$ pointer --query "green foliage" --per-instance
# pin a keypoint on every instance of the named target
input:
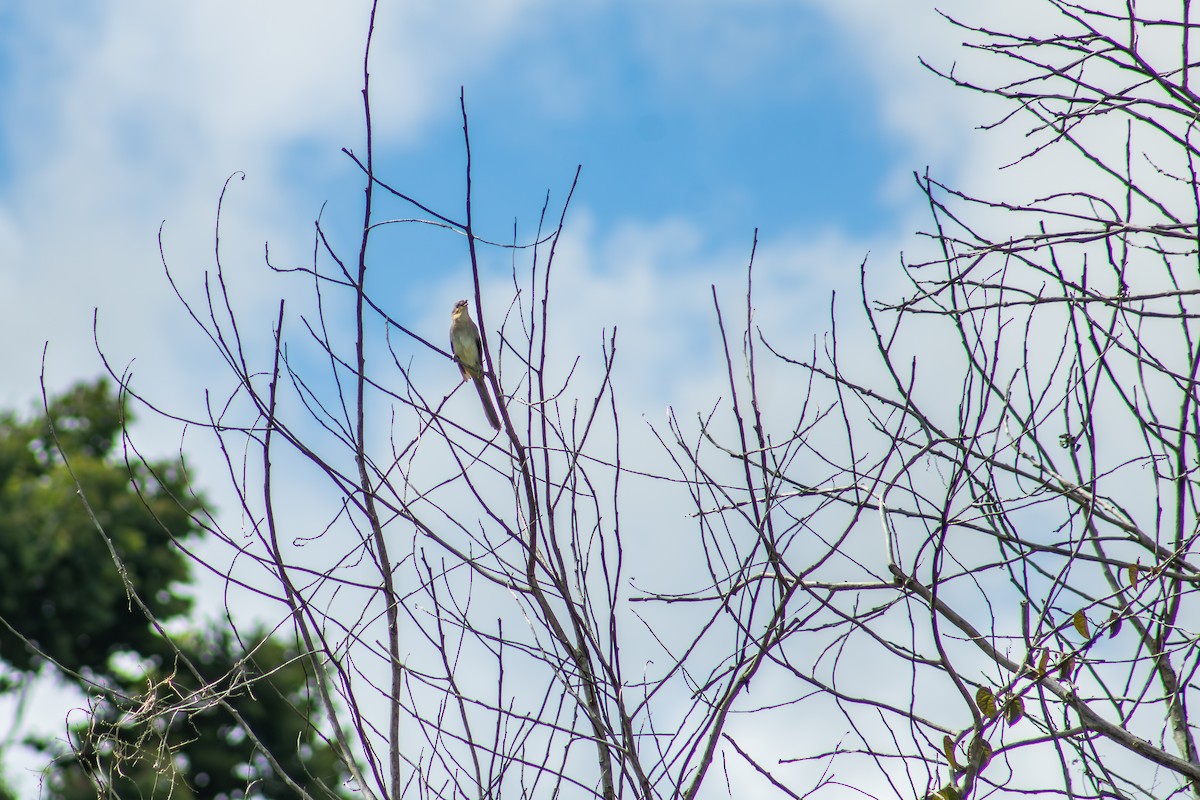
(6, 791)
(158, 732)
(61, 590)
(172, 739)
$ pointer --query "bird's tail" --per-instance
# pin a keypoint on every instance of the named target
(486, 399)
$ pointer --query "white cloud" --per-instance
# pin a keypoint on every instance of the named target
(130, 114)
(123, 115)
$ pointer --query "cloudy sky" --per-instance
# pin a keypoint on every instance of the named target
(695, 123)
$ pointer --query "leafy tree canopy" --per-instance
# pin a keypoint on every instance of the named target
(138, 743)
(159, 729)
(62, 592)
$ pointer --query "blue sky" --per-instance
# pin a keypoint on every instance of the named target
(801, 119)
(694, 123)
(771, 126)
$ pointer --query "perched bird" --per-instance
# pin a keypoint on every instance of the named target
(468, 352)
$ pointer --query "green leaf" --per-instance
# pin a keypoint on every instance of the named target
(986, 701)
(1014, 709)
(979, 752)
(948, 749)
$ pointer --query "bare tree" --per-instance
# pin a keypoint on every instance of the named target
(962, 561)
(999, 512)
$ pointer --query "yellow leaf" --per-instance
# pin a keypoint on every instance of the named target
(947, 792)
(986, 701)
(1081, 624)
(1043, 662)
(948, 749)
(1066, 668)
(1133, 575)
